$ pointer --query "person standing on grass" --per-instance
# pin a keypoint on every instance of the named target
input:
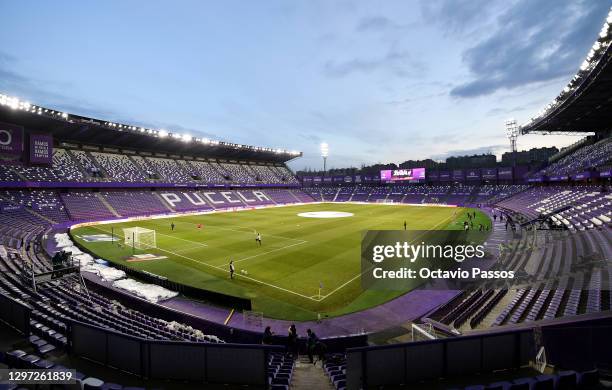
(172, 226)
(258, 239)
(404, 225)
(231, 269)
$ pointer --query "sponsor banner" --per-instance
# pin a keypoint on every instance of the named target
(41, 149)
(582, 176)
(337, 179)
(458, 174)
(472, 174)
(489, 173)
(44, 206)
(395, 175)
(357, 178)
(327, 179)
(10, 207)
(607, 173)
(445, 176)
(317, 179)
(11, 139)
(144, 257)
(505, 173)
(307, 179)
(433, 175)
(558, 178)
(348, 179)
(535, 179)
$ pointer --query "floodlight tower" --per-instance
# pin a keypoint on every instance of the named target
(324, 154)
(512, 132)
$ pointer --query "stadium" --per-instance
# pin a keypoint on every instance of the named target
(136, 257)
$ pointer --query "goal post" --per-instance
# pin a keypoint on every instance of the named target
(139, 238)
(422, 332)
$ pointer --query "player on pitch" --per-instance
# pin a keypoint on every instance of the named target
(231, 269)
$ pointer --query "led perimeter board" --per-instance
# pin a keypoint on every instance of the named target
(395, 175)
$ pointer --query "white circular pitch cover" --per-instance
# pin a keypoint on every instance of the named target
(325, 214)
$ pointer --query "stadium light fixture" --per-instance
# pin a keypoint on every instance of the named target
(324, 154)
(163, 133)
(186, 137)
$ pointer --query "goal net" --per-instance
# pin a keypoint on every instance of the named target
(252, 318)
(140, 238)
(423, 332)
(384, 201)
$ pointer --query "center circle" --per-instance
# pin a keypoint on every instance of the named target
(325, 214)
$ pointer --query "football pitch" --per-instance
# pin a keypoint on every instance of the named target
(305, 266)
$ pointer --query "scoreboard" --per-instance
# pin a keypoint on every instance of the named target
(411, 175)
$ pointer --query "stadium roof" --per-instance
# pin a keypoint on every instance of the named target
(72, 128)
(585, 104)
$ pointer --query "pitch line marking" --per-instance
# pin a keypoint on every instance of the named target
(318, 299)
(239, 260)
(361, 273)
(224, 269)
(183, 239)
(221, 227)
(270, 251)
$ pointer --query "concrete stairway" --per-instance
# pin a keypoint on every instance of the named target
(306, 376)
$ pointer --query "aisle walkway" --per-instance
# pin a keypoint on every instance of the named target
(308, 377)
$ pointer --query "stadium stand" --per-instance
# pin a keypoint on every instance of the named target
(586, 157)
(555, 236)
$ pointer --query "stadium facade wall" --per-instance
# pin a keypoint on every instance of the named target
(108, 184)
(167, 360)
(575, 344)
(16, 314)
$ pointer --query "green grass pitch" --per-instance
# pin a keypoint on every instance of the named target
(298, 254)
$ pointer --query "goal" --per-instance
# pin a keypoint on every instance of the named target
(139, 238)
(422, 332)
(387, 201)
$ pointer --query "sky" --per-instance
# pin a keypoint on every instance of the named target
(379, 81)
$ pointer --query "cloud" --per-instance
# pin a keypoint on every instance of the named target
(399, 63)
(533, 42)
(468, 152)
(510, 110)
(40, 92)
(374, 23)
(457, 16)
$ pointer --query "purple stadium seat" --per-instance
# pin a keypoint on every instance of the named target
(92, 384)
(588, 379)
(499, 386)
(544, 382)
(566, 380)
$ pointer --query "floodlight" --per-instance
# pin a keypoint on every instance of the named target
(163, 133)
(324, 149)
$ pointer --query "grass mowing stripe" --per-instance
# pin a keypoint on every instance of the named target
(224, 269)
(298, 253)
(361, 273)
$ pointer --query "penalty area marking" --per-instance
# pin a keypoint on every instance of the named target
(224, 269)
(316, 298)
(325, 214)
